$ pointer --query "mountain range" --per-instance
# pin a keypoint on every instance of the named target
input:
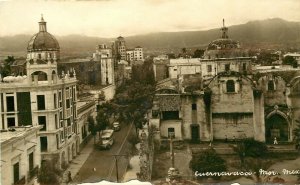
(263, 34)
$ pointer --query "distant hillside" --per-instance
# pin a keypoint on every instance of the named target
(270, 32)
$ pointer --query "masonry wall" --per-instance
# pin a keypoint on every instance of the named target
(232, 112)
(273, 97)
(198, 117)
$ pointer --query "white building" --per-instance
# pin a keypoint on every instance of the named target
(85, 109)
(20, 154)
(43, 98)
(296, 56)
(136, 54)
(103, 55)
(183, 66)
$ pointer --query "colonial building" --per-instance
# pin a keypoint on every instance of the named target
(20, 154)
(226, 100)
(43, 97)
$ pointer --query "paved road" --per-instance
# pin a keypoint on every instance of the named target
(104, 162)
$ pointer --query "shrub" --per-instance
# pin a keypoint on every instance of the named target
(132, 139)
(254, 148)
(208, 161)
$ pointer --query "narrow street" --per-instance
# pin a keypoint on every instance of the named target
(104, 162)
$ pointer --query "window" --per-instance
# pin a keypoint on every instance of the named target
(209, 68)
(194, 106)
(10, 103)
(16, 172)
(171, 132)
(230, 86)
(56, 122)
(271, 86)
(41, 102)
(44, 144)
(244, 67)
(11, 122)
(42, 121)
(69, 121)
(68, 103)
(227, 67)
(55, 102)
(30, 161)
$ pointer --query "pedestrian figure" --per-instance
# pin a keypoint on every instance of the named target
(69, 176)
(275, 141)
(94, 169)
(234, 139)
(210, 144)
(226, 139)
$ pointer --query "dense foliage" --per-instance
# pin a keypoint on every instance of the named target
(49, 173)
(5, 69)
(207, 161)
(289, 60)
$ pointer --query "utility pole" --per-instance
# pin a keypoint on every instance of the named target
(172, 150)
(116, 163)
(116, 159)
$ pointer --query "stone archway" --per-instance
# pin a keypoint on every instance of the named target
(277, 126)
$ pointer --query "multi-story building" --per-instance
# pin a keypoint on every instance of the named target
(103, 56)
(20, 154)
(85, 109)
(119, 49)
(135, 55)
(43, 97)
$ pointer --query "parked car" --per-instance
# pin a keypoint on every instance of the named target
(106, 139)
(116, 126)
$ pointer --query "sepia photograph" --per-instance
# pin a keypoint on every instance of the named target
(149, 92)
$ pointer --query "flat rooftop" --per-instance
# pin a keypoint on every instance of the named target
(16, 132)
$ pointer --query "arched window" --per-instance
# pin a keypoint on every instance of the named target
(271, 86)
(230, 86)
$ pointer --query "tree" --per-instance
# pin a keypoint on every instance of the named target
(49, 173)
(102, 121)
(250, 148)
(255, 165)
(92, 127)
(208, 161)
(198, 53)
(5, 69)
(289, 60)
(254, 148)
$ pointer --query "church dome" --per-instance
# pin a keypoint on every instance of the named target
(223, 44)
(43, 41)
(224, 47)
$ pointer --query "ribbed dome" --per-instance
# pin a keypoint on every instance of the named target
(43, 41)
(223, 44)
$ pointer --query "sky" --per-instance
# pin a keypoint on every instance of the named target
(112, 18)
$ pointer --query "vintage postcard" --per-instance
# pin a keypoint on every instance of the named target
(162, 92)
